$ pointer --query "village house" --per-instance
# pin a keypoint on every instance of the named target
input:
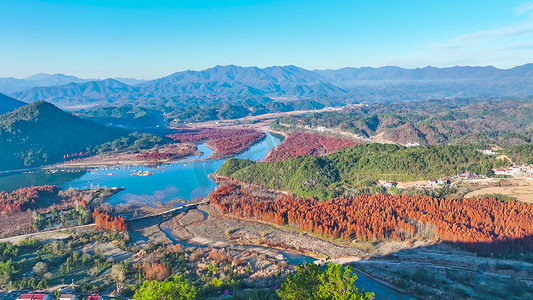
(488, 152)
(94, 297)
(513, 169)
(411, 144)
(389, 184)
(527, 168)
(35, 296)
(68, 297)
(500, 171)
(443, 181)
(432, 182)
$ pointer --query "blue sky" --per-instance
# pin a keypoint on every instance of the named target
(153, 38)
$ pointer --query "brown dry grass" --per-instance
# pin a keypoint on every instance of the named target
(521, 189)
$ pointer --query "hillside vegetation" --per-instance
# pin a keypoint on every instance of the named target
(350, 168)
(300, 144)
(522, 154)
(126, 116)
(433, 122)
(251, 107)
(40, 133)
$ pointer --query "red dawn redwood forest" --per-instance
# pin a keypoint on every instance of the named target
(470, 222)
(300, 144)
(23, 198)
(225, 142)
(105, 221)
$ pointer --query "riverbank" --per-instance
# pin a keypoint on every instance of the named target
(400, 266)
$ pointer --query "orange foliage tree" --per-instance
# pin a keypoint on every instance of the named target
(155, 271)
(474, 223)
(23, 198)
(224, 141)
(105, 221)
(299, 144)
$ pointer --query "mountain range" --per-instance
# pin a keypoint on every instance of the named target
(234, 83)
(12, 85)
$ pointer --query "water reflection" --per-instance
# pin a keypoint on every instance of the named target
(186, 179)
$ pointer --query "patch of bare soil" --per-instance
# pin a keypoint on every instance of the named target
(108, 250)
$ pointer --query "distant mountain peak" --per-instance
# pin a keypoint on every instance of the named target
(235, 83)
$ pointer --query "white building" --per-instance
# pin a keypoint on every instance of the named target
(389, 184)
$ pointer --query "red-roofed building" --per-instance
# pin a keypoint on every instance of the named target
(443, 181)
(389, 184)
(94, 297)
(35, 296)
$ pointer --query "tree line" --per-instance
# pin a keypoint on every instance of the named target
(23, 198)
(472, 222)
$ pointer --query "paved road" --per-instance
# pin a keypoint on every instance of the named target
(23, 236)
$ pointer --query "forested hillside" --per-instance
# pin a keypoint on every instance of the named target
(126, 116)
(341, 172)
(522, 154)
(8, 104)
(300, 144)
(251, 107)
(433, 122)
(40, 133)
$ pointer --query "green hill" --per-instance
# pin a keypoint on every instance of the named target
(40, 133)
(126, 116)
(360, 166)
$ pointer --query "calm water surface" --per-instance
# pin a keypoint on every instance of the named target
(187, 179)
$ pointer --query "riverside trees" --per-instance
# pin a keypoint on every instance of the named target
(105, 221)
(485, 225)
(22, 198)
(224, 141)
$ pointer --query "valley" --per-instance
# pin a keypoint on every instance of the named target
(272, 247)
(319, 162)
(415, 198)
(266, 150)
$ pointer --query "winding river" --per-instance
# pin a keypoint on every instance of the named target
(186, 179)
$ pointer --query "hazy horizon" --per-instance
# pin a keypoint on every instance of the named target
(197, 70)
